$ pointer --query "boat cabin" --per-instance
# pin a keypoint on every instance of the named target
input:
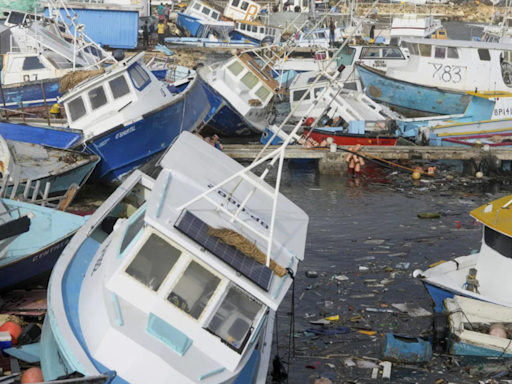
(162, 284)
(417, 26)
(114, 97)
(456, 65)
(241, 10)
(246, 85)
(256, 31)
(203, 11)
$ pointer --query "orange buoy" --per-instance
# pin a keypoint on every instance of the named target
(416, 175)
(32, 375)
(13, 329)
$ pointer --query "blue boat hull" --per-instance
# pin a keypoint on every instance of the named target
(31, 94)
(188, 24)
(223, 118)
(32, 267)
(57, 360)
(411, 99)
(240, 36)
(54, 137)
(126, 148)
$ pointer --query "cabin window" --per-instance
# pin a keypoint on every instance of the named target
(139, 76)
(254, 28)
(297, 95)
(266, 31)
(235, 3)
(97, 98)
(234, 320)
(77, 108)
(317, 91)
(16, 18)
(236, 68)
(262, 30)
(206, 11)
(425, 50)
(499, 242)
(321, 35)
(393, 41)
(484, 54)
(441, 33)
(32, 63)
(153, 262)
(391, 53)
(416, 49)
(262, 93)
(439, 52)
(119, 87)
(215, 15)
(194, 290)
(250, 80)
(370, 53)
(133, 229)
(452, 53)
(197, 6)
(245, 5)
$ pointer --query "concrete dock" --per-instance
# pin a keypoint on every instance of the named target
(334, 162)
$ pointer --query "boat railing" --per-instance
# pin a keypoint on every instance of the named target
(25, 43)
(35, 192)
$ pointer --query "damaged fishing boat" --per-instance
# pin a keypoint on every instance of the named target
(240, 93)
(160, 285)
(483, 275)
(32, 238)
(478, 329)
(22, 163)
(125, 115)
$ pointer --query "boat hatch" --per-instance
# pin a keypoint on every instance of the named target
(91, 100)
(187, 284)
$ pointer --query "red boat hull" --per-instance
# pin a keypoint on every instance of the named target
(341, 138)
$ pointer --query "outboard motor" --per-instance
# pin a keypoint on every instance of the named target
(118, 54)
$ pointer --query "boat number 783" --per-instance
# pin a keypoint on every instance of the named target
(447, 73)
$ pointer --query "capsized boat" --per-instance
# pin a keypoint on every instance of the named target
(483, 275)
(21, 163)
(438, 76)
(240, 93)
(126, 116)
(478, 329)
(32, 238)
(147, 288)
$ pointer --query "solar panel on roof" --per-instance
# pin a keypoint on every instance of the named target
(197, 230)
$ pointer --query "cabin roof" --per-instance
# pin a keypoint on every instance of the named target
(304, 80)
(490, 94)
(460, 44)
(250, 63)
(110, 71)
(500, 221)
(251, 23)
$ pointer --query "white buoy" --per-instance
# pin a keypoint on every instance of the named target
(479, 175)
(486, 147)
(417, 273)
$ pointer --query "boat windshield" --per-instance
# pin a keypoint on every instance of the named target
(498, 241)
(234, 320)
(506, 67)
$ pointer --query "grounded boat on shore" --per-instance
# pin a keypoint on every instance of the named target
(240, 93)
(32, 238)
(154, 274)
(126, 116)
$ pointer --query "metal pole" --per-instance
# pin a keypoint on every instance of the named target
(46, 105)
(3, 101)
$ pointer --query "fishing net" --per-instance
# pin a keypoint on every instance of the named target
(20, 5)
(240, 242)
(72, 79)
